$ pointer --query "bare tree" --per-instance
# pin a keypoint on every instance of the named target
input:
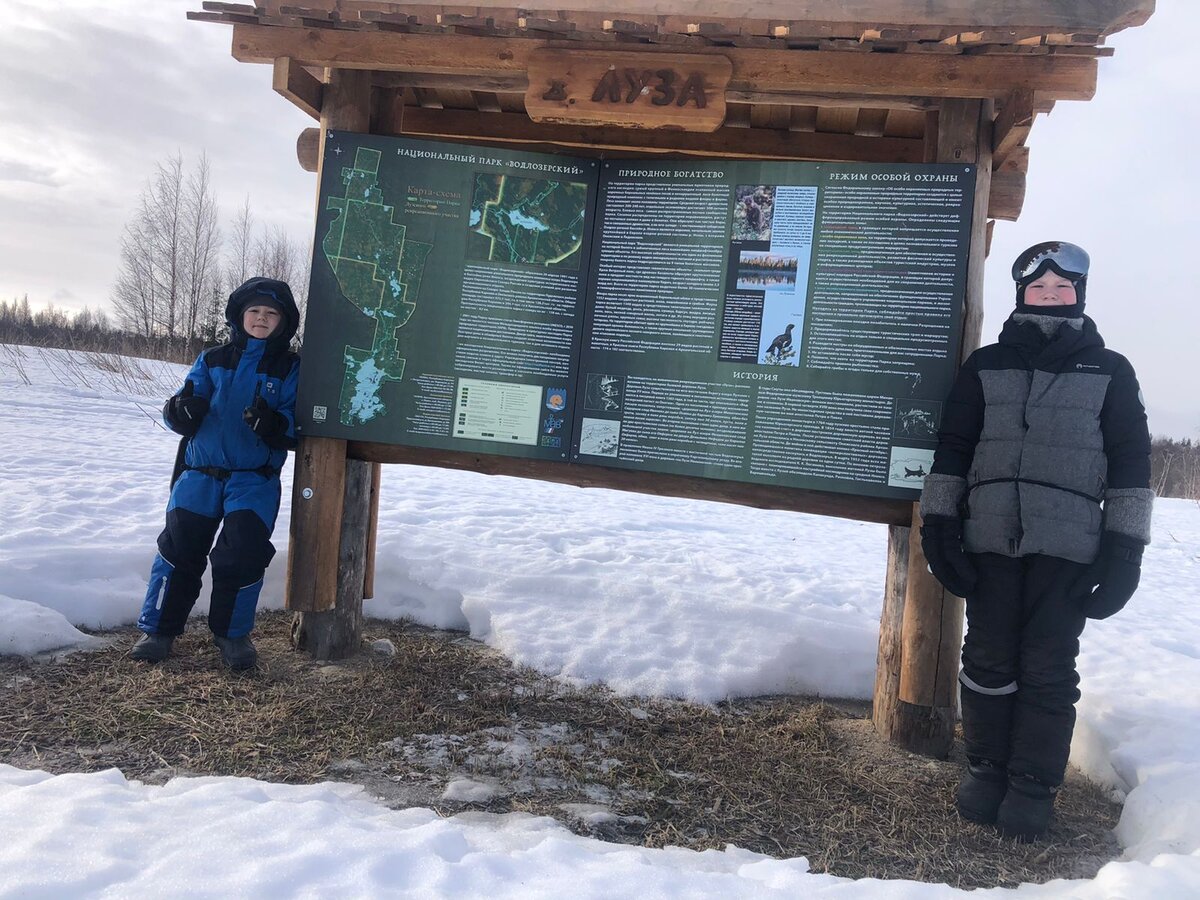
(168, 253)
(239, 250)
(203, 238)
(276, 255)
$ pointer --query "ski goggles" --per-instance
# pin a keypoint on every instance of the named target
(1068, 260)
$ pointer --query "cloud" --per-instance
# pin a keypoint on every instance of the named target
(14, 170)
(95, 95)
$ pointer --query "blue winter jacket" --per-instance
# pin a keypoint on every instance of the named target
(232, 376)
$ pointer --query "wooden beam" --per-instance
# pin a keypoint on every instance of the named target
(337, 632)
(875, 74)
(857, 101)
(318, 483)
(931, 638)
(295, 84)
(920, 715)
(1007, 195)
(368, 589)
(308, 149)
(732, 143)
(973, 318)
(762, 496)
(325, 532)
(1012, 125)
(1101, 16)
(504, 84)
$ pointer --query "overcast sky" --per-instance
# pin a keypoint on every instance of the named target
(93, 94)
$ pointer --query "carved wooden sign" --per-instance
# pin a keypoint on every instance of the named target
(685, 92)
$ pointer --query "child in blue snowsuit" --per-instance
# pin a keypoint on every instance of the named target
(236, 411)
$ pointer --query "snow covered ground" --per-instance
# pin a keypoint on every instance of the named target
(650, 595)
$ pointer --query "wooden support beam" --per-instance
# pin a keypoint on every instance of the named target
(727, 142)
(762, 496)
(930, 643)
(368, 590)
(874, 74)
(886, 709)
(327, 550)
(973, 318)
(317, 486)
(1007, 195)
(921, 625)
(295, 84)
(857, 101)
(501, 84)
(337, 633)
(1013, 124)
(308, 149)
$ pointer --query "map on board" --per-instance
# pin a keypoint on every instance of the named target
(527, 220)
(379, 271)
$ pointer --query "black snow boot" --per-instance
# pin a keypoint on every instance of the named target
(1025, 812)
(152, 647)
(237, 653)
(981, 790)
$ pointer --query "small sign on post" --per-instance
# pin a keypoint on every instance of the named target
(683, 92)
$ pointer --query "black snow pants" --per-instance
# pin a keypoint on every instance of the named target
(1019, 684)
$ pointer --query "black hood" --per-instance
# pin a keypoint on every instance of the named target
(245, 296)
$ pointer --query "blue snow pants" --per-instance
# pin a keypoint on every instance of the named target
(249, 503)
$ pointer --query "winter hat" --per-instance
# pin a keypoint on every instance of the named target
(1068, 260)
(266, 300)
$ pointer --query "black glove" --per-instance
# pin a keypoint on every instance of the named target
(264, 421)
(1114, 575)
(941, 539)
(185, 411)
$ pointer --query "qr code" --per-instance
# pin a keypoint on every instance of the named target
(319, 413)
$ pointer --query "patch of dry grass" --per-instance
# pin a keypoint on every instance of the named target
(785, 775)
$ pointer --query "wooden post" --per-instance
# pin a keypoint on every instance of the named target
(887, 707)
(920, 635)
(330, 495)
(368, 590)
(317, 505)
(337, 632)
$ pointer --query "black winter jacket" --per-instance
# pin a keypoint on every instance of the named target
(1043, 443)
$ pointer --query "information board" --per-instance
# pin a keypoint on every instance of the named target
(779, 323)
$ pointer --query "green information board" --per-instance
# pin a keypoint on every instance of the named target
(779, 323)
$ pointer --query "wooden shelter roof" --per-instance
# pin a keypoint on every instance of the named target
(855, 80)
(940, 26)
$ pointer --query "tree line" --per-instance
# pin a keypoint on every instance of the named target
(176, 271)
(1175, 467)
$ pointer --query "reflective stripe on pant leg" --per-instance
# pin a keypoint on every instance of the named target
(966, 681)
(192, 517)
(160, 571)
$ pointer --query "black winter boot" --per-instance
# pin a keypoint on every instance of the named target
(237, 653)
(1025, 811)
(152, 647)
(981, 790)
